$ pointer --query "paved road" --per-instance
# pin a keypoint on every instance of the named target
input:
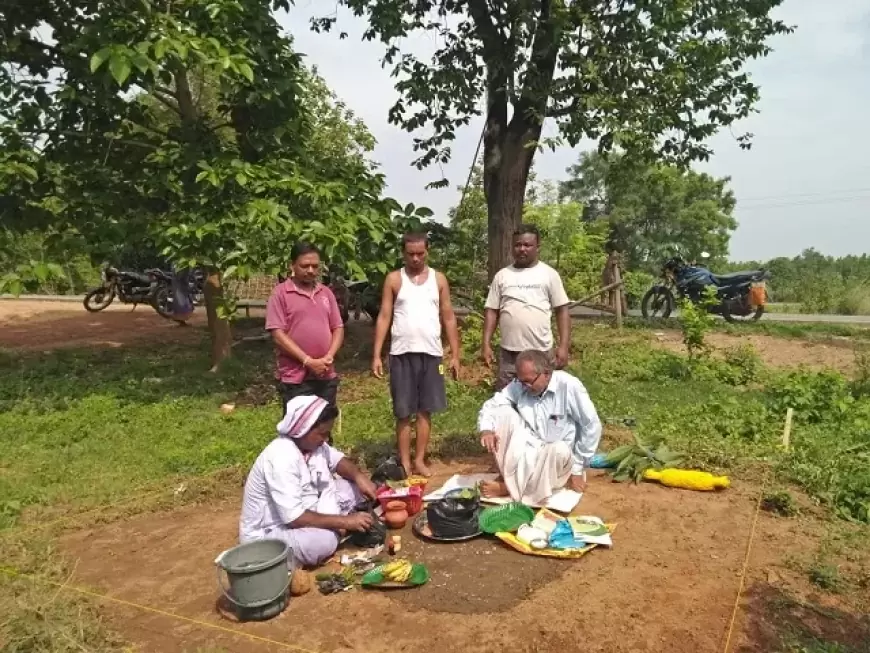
(578, 312)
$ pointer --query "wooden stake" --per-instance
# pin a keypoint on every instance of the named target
(618, 296)
(786, 431)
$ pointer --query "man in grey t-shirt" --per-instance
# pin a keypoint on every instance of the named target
(521, 301)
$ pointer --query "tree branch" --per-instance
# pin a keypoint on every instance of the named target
(492, 41)
(186, 106)
(166, 100)
(539, 73)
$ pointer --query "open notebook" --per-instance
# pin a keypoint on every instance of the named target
(564, 500)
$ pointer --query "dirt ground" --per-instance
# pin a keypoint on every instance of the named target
(775, 352)
(43, 325)
(668, 584)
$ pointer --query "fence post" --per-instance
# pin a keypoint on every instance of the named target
(618, 296)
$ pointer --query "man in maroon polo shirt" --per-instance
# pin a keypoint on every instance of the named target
(307, 330)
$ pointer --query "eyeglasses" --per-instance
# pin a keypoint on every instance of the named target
(530, 384)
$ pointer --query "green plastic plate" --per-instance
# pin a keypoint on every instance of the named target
(505, 519)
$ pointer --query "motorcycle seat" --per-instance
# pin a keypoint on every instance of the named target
(736, 277)
(136, 276)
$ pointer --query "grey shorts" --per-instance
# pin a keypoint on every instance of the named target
(507, 367)
(416, 384)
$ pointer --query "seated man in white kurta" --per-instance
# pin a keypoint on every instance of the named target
(542, 429)
(292, 492)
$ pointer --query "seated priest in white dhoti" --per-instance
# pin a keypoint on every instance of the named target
(542, 429)
(302, 490)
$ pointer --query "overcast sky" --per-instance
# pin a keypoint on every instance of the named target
(805, 182)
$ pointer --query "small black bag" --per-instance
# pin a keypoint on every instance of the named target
(389, 470)
(374, 536)
(450, 518)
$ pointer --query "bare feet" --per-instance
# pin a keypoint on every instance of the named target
(409, 470)
(494, 489)
(421, 469)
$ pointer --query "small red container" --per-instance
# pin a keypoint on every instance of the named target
(412, 497)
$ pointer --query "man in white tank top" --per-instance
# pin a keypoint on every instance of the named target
(416, 300)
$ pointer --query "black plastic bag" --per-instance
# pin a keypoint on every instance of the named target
(374, 536)
(388, 470)
(451, 517)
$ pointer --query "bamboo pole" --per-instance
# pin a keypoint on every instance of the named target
(595, 294)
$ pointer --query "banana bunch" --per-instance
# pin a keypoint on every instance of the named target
(398, 571)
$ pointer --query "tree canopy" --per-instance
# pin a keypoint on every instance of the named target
(647, 77)
(187, 125)
(652, 211)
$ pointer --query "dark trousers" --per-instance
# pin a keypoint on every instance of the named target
(323, 388)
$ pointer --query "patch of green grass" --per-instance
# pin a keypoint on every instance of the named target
(771, 327)
(826, 576)
(817, 646)
(39, 617)
(780, 502)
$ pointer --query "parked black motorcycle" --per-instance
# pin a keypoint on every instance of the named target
(152, 288)
(741, 295)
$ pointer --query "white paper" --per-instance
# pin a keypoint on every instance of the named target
(603, 540)
(459, 481)
(564, 500)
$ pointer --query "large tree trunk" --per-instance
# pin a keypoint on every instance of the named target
(506, 164)
(218, 327)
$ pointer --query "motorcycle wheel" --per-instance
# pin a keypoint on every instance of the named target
(162, 302)
(751, 317)
(657, 303)
(98, 299)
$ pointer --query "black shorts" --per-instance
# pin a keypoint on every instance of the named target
(323, 388)
(416, 384)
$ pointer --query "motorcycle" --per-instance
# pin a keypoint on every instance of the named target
(742, 295)
(130, 287)
(363, 297)
(357, 296)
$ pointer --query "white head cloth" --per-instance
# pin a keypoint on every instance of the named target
(302, 412)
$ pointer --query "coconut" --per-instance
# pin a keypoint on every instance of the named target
(300, 583)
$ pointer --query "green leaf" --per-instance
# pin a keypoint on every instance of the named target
(142, 62)
(241, 178)
(246, 71)
(618, 454)
(41, 272)
(160, 48)
(119, 66)
(99, 58)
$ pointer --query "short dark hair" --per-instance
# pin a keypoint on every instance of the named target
(415, 237)
(524, 229)
(328, 413)
(301, 248)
